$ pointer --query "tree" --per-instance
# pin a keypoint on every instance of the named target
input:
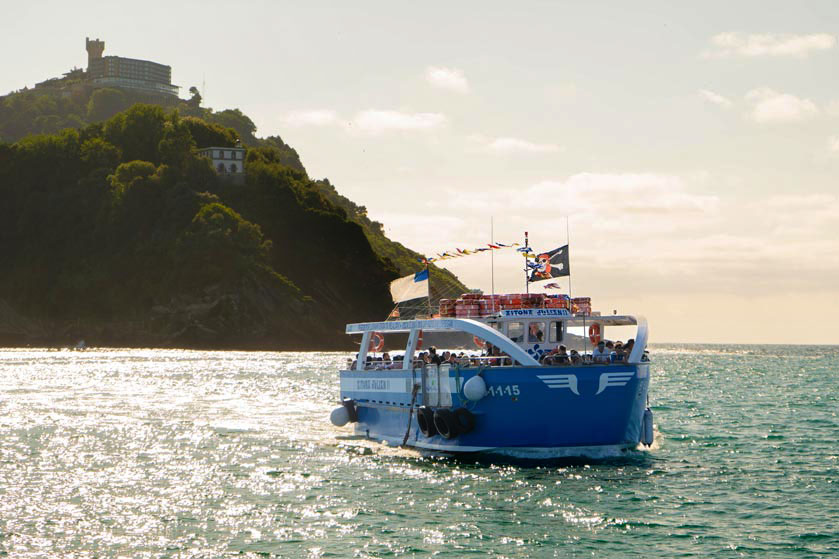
(177, 144)
(128, 173)
(137, 132)
(96, 153)
(195, 100)
(105, 103)
(221, 246)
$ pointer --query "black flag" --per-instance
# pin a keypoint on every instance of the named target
(552, 264)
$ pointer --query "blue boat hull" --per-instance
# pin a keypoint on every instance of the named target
(532, 410)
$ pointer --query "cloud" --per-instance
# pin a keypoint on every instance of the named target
(377, 121)
(318, 117)
(769, 106)
(833, 145)
(646, 202)
(715, 98)
(516, 145)
(726, 45)
(447, 78)
(832, 108)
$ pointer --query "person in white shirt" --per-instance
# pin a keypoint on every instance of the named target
(601, 354)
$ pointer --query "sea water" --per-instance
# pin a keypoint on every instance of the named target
(165, 453)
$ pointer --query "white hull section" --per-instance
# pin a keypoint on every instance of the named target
(522, 452)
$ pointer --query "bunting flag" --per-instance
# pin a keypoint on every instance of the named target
(551, 286)
(551, 264)
(460, 253)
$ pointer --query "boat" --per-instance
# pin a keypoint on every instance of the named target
(516, 398)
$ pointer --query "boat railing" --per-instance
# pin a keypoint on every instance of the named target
(495, 361)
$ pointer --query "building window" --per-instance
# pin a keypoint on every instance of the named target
(216, 154)
(234, 168)
(221, 167)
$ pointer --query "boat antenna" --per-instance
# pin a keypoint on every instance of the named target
(526, 260)
(492, 254)
(428, 274)
(568, 244)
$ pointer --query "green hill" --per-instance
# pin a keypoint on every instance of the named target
(120, 234)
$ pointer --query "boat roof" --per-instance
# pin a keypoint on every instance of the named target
(483, 331)
(439, 324)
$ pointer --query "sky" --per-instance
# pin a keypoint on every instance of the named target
(693, 148)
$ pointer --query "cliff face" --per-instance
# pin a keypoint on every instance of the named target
(119, 234)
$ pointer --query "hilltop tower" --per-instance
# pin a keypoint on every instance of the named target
(94, 48)
(130, 73)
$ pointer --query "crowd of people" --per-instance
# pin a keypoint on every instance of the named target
(605, 352)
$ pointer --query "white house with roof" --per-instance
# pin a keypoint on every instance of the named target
(226, 161)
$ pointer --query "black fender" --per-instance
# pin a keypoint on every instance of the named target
(425, 420)
(465, 420)
(446, 423)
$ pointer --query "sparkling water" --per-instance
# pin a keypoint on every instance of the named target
(165, 453)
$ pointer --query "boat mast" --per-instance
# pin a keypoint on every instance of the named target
(526, 260)
(428, 273)
(492, 253)
(568, 244)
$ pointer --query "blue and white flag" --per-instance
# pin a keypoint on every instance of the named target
(410, 287)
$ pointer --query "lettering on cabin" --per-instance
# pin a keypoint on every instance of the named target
(372, 384)
(535, 312)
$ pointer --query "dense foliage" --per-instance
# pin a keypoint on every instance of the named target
(444, 284)
(121, 224)
(117, 217)
(73, 102)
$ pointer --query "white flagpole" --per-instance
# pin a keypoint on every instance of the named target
(428, 279)
(568, 244)
(526, 260)
(492, 253)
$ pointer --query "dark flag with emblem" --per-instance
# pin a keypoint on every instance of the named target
(552, 264)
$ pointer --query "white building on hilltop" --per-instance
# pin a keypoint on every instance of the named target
(226, 161)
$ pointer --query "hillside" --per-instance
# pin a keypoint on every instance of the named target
(71, 101)
(122, 235)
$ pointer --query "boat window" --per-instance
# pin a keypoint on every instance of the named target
(515, 331)
(495, 326)
(536, 332)
(555, 333)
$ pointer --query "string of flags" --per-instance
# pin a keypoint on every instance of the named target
(459, 253)
(545, 265)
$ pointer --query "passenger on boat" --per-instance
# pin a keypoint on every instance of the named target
(434, 359)
(575, 357)
(534, 333)
(601, 354)
(618, 356)
(387, 362)
(561, 356)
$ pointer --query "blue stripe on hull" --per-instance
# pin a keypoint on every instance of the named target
(543, 407)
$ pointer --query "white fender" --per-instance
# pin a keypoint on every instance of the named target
(340, 416)
(475, 388)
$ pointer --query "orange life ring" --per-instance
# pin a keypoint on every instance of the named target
(419, 340)
(479, 342)
(377, 342)
(594, 333)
